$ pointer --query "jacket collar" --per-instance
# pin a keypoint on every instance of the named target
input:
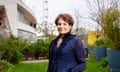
(66, 36)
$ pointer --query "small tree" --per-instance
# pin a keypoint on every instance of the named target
(97, 9)
(11, 49)
(46, 30)
(111, 27)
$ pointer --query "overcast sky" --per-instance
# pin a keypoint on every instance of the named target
(61, 6)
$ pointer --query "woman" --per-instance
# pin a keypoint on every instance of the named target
(66, 53)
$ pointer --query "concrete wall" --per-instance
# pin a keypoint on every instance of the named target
(11, 11)
(11, 8)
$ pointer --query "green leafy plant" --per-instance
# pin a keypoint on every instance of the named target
(38, 49)
(11, 49)
(42, 47)
(4, 65)
(100, 42)
(111, 27)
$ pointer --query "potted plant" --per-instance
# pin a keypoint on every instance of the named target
(111, 27)
(100, 49)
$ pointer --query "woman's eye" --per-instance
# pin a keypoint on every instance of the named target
(59, 24)
(64, 23)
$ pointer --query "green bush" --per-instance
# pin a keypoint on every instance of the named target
(100, 42)
(41, 48)
(45, 47)
(38, 49)
(111, 27)
(4, 65)
(11, 49)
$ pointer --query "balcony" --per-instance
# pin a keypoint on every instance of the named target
(27, 11)
(25, 27)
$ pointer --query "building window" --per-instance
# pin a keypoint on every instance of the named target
(31, 24)
(21, 16)
(25, 35)
(0, 22)
(34, 25)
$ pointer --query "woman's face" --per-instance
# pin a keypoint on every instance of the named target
(63, 27)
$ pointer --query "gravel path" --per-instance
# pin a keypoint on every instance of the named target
(33, 61)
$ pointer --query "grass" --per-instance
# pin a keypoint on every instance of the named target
(92, 66)
(95, 67)
(30, 67)
(42, 67)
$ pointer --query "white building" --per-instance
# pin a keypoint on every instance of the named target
(17, 19)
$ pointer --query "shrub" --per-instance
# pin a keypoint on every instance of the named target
(11, 49)
(100, 42)
(38, 49)
(4, 65)
(111, 27)
(45, 47)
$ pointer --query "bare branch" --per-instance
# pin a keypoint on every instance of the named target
(98, 7)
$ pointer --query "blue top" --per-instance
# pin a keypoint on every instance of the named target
(69, 57)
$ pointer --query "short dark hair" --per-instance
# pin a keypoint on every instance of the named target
(66, 17)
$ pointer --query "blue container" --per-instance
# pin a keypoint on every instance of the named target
(90, 49)
(100, 52)
(114, 60)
